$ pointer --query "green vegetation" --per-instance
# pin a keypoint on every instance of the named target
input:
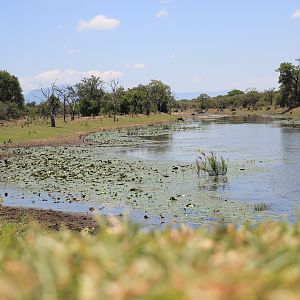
(261, 206)
(21, 131)
(11, 97)
(288, 95)
(93, 97)
(289, 80)
(211, 164)
(123, 262)
(234, 100)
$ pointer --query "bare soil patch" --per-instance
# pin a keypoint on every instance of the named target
(54, 220)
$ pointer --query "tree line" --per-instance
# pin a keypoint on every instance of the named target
(89, 97)
(288, 94)
(92, 97)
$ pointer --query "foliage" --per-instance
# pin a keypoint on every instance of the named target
(289, 79)
(122, 262)
(161, 95)
(10, 89)
(91, 95)
(211, 165)
(9, 110)
(261, 206)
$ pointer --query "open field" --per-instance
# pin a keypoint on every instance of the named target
(39, 132)
(123, 262)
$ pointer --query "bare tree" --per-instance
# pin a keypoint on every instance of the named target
(270, 94)
(115, 88)
(52, 102)
(69, 97)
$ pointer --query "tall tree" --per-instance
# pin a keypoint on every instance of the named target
(161, 95)
(91, 95)
(10, 89)
(270, 95)
(52, 102)
(116, 91)
(70, 98)
(289, 79)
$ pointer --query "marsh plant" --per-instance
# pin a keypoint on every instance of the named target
(261, 207)
(211, 164)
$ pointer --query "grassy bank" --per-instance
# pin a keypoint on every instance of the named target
(125, 263)
(19, 131)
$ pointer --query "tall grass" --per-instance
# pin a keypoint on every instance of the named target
(211, 164)
(261, 206)
(125, 263)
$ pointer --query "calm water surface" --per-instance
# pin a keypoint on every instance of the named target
(260, 143)
(264, 165)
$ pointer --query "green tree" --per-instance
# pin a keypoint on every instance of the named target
(133, 101)
(10, 89)
(235, 93)
(289, 80)
(161, 95)
(91, 95)
(203, 101)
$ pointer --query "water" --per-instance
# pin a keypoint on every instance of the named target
(261, 142)
(263, 168)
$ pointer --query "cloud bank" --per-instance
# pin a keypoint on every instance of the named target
(68, 76)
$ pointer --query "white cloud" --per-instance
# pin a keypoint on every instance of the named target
(68, 76)
(162, 13)
(100, 22)
(137, 66)
(296, 14)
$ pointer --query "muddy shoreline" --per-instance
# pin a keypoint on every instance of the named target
(50, 219)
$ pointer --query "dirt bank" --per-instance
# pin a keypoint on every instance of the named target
(50, 219)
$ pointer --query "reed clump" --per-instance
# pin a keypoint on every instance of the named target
(211, 164)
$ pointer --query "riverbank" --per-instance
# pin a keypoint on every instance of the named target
(49, 219)
(107, 172)
(265, 111)
(39, 133)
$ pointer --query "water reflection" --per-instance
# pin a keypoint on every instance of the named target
(214, 184)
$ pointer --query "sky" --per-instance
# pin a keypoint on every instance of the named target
(192, 45)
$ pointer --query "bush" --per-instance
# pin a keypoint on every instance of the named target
(10, 111)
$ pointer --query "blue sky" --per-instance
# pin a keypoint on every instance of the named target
(192, 45)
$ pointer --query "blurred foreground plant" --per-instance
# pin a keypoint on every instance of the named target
(123, 262)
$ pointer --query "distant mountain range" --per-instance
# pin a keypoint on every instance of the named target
(36, 95)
